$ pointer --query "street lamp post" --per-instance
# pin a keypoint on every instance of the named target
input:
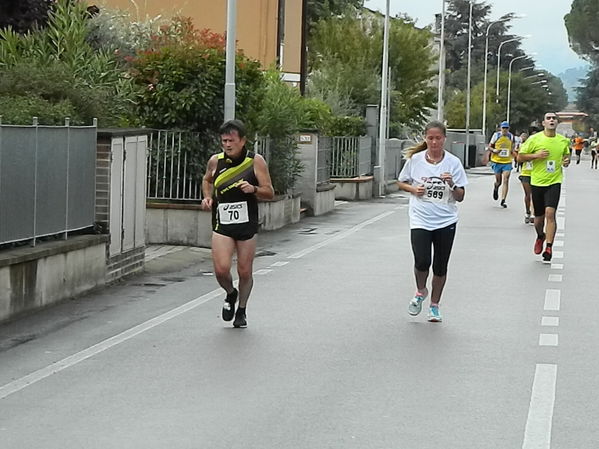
(538, 75)
(499, 64)
(230, 61)
(467, 149)
(440, 100)
(484, 126)
(509, 85)
(384, 112)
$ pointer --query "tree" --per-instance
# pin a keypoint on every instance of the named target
(588, 95)
(321, 10)
(346, 59)
(583, 34)
(528, 102)
(456, 36)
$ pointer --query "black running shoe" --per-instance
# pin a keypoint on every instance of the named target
(240, 319)
(503, 204)
(229, 305)
(547, 254)
(495, 192)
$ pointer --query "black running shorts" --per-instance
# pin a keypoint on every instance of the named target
(545, 196)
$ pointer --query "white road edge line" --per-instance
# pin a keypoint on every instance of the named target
(36, 376)
(537, 434)
(340, 236)
(32, 378)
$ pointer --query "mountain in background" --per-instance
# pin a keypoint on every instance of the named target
(571, 80)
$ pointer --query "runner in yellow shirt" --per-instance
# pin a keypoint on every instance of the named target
(501, 147)
(525, 180)
(549, 152)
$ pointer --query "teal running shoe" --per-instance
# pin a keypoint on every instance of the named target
(434, 316)
(415, 306)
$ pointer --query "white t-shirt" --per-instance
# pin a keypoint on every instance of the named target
(437, 208)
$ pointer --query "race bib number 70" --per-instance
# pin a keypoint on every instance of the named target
(233, 213)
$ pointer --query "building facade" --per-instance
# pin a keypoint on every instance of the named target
(269, 31)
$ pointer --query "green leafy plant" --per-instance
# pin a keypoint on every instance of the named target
(90, 80)
(179, 80)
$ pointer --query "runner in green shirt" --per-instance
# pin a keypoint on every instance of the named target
(549, 152)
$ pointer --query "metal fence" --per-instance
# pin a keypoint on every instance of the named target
(176, 163)
(47, 180)
(351, 156)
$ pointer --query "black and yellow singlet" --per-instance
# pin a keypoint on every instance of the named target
(235, 213)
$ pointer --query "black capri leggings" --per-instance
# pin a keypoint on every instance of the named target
(441, 241)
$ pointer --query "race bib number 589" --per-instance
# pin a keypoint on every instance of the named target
(233, 213)
(436, 192)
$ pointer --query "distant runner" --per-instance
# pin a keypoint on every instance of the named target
(525, 180)
(501, 147)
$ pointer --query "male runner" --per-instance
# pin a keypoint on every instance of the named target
(549, 152)
(233, 182)
(525, 180)
(578, 147)
(501, 147)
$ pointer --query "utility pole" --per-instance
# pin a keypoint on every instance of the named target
(230, 60)
(384, 111)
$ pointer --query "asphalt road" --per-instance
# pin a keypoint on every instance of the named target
(331, 358)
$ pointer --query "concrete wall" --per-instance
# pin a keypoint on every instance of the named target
(178, 224)
(317, 198)
(279, 213)
(354, 189)
(34, 277)
(324, 201)
(187, 224)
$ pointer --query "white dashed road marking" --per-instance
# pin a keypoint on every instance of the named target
(552, 299)
(548, 340)
(550, 321)
(537, 434)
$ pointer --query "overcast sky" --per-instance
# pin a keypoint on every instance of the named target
(544, 21)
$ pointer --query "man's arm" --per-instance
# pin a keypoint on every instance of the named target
(264, 190)
(208, 183)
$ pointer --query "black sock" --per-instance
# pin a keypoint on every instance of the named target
(549, 245)
(541, 236)
(241, 310)
(232, 296)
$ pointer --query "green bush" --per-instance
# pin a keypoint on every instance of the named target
(44, 92)
(57, 64)
(347, 126)
(180, 80)
(316, 114)
(21, 110)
